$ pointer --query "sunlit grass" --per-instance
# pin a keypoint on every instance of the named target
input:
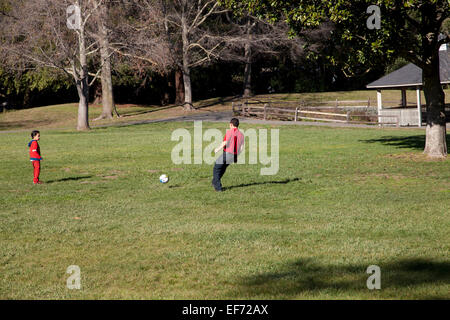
(342, 200)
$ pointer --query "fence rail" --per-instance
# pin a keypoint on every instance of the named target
(254, 109)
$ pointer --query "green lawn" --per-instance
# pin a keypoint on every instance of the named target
(64, 116)
(343, 199)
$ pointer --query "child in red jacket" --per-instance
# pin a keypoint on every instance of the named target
(35, 155)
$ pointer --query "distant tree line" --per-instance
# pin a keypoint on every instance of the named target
(159, 52)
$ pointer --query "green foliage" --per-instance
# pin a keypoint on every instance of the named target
(397, 64)
(33, 86)
(399, 35)
(446, 26)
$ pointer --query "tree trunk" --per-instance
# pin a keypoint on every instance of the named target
(248, 64)
(97, 94)
(179, 87)
(83, 104)
(248, 72)
(187, 89)
(83, 85)
(108, 105)
(436, 144)
(186, 69)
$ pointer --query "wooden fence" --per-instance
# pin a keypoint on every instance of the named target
(266, 111)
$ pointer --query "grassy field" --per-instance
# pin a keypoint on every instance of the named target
(65, 116)
(343, 199)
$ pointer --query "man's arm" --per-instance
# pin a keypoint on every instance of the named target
(220, 147)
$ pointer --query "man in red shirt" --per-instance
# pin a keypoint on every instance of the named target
(35, 155)
(232, 146)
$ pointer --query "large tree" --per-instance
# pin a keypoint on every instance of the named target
(102, 35)
(253, 39)
(50, 38)
(410, 29)
(188, 33)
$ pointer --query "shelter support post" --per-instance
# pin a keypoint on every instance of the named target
(419, 106)
(404, 102)
(379, 103)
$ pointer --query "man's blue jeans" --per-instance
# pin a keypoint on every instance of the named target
(222, 162)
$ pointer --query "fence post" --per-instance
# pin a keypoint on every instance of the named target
(336, 103)
(296, 114)
(265, 111)
(232, 107)
(368, 103)
(348, 116)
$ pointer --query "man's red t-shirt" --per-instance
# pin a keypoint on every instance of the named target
(234, 139)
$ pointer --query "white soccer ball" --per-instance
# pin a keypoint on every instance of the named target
(163, 178)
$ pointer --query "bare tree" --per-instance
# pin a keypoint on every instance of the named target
(103, 37)
(138, 35)
(253, 38)
(169, 35)
(187, 42)
(192, 42)
(49, 37)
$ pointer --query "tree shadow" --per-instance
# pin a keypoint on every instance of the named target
(220, 100)
(285, 181)
(307, 276)
(132, 114)
(23, 124)
(410, 142)
(69, 179)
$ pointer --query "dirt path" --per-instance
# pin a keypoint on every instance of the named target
(225, 116)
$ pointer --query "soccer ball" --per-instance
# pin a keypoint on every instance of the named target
(163, 178)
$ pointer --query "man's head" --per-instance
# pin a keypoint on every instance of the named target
(234, 123)
(35, 135)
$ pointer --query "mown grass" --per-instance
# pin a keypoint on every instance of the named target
(343, 199)
(65, 116)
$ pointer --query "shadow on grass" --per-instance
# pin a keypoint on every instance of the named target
(307, 276)
(70, 179)
(220, 100)
(285, 181)
(132, 114)
(11, 125)
(411, 142)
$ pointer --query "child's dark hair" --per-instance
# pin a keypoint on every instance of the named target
(235, 122)
(34, 133)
